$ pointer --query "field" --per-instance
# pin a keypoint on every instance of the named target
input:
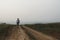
(51, 29)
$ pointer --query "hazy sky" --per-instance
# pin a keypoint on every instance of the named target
(30, 11)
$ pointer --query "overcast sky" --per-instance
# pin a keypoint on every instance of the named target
(30, 11)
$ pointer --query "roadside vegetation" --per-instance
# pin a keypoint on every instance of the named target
(52, 29)
(3, 25)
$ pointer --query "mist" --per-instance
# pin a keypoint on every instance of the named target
(29, 11)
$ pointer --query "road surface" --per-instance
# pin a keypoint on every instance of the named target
(24, 33)
(38, 35)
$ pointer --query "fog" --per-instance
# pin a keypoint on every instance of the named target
(30, 11)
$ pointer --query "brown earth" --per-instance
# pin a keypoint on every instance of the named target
(38, 35)
(23, 33)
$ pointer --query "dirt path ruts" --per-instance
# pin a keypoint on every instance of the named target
(26, 37)
(15, 33)
(38, 35)
(20, 33)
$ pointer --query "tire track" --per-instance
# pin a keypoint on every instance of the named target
(38, 35)
(23, 33)
(15, 33)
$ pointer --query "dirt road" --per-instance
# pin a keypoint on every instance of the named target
(15, 33)
(38, 35)
(23, 33)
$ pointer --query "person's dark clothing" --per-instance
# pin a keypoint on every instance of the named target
(18, 21)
